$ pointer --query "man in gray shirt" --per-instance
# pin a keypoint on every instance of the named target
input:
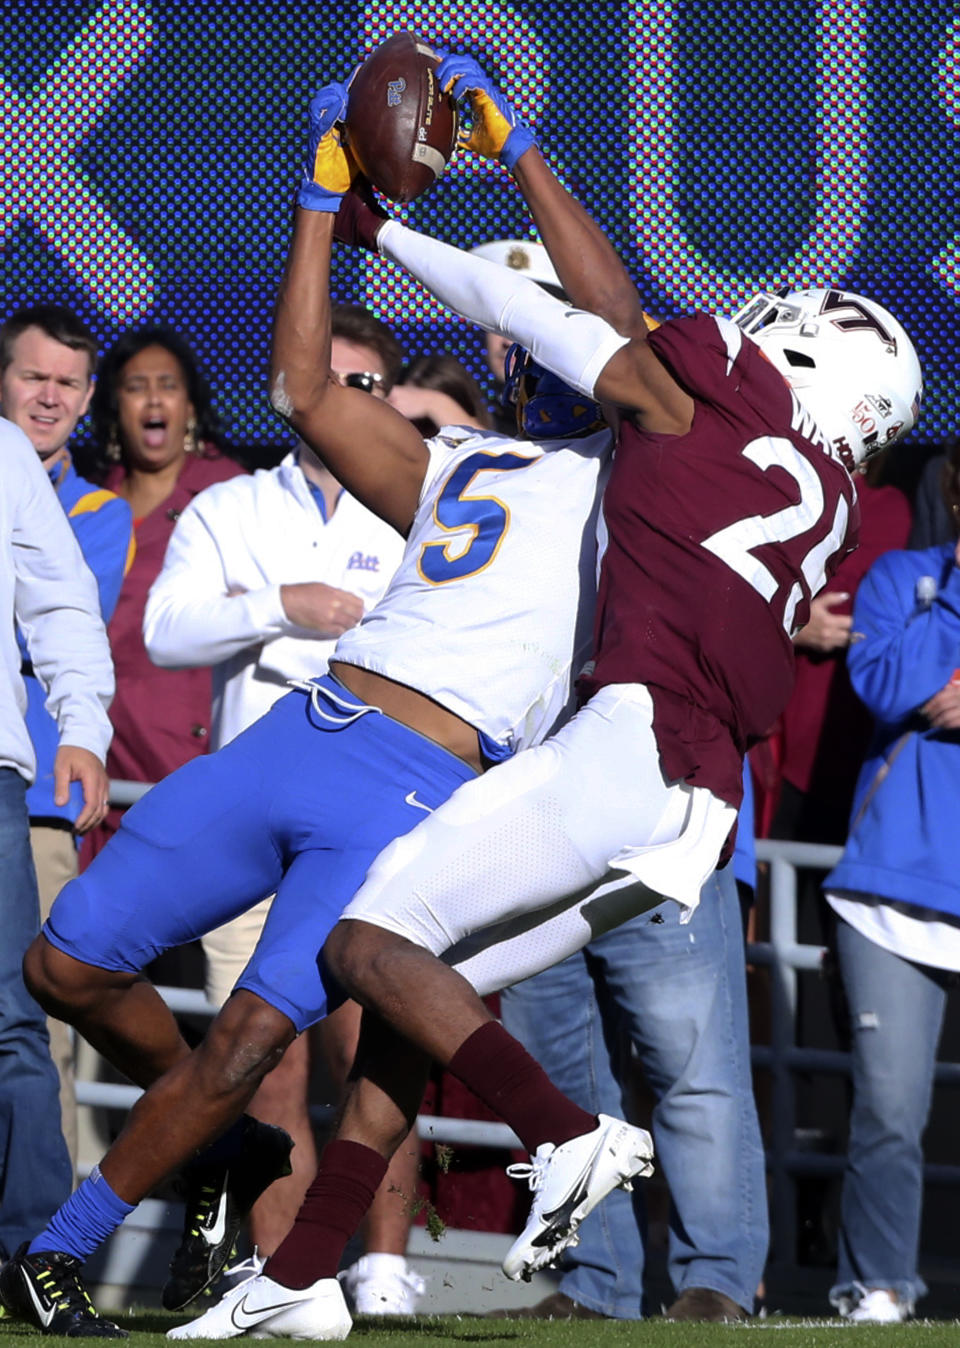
(48, 592)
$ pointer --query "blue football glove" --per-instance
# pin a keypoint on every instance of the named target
(496, 132)
(329, 169)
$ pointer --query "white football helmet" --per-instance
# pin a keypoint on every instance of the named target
(850, 363)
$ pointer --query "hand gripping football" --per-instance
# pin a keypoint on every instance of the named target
(400, 127)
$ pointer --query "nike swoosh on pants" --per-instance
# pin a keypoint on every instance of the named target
(411, 799)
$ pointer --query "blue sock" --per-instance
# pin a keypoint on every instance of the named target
(85, 1220)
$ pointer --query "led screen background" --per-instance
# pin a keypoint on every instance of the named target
(150, 154)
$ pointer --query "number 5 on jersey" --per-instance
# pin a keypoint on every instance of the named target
(476, 523)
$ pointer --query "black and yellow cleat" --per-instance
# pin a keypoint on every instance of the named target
(45, 1289)
(217, 1199)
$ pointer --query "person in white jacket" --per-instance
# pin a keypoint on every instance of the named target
(262, 574)
(47, 590)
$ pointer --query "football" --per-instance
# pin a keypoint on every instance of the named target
(399, 126)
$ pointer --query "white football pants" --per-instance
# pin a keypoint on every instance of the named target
(526, 864)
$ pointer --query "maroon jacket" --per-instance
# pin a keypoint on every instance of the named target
(161, 717)
(825, 727)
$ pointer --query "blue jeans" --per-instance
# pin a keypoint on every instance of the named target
(35, 1171)
(678, 996)
(896, 1015)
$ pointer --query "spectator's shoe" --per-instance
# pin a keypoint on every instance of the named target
(264, 1309)
(568, 1182)
(703, 1303)
(876, 1307)
(382, 1284)
(556, 1306)
(217, 1199)
(45, 1289)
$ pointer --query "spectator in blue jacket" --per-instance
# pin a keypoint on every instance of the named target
(47, 360)
(896, 891)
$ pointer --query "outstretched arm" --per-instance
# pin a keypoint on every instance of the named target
(578, 346)
(589, 269)
(587, 264)
(368, 446)
(594, 277)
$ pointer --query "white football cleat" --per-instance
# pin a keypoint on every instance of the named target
(568, 1182)
(382, 1284)
(237, 1273)
(877, 1307)
(265, 1309)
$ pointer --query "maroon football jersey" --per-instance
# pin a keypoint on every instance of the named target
(717, 540)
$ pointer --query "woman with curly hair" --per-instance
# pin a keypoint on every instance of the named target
(155, 433)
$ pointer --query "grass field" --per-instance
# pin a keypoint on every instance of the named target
(147, 1331)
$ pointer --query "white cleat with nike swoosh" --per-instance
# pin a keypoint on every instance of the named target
(218, 1196)
(265, 1309)
(568, 1182)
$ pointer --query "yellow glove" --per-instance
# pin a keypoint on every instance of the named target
(330, 169)
(496, 132)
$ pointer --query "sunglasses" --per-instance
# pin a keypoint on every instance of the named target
(366, 380)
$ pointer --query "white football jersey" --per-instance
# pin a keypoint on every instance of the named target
(490, 612)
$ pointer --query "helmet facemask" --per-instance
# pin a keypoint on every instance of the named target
(849, 362)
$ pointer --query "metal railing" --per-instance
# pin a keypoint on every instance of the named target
(786, 959)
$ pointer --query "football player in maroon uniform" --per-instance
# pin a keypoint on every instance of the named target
(730, 502)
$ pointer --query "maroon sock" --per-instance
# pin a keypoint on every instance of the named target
(506, 1078)
(347, 1178)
